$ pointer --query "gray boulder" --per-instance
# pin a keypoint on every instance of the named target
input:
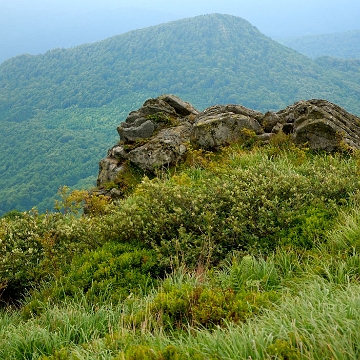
(109, 169)
(271, 122)
(155, 114)
(142, 129)
(218, 126)
(321, 125)
(181, 107)
(153, 136)
(165, 149)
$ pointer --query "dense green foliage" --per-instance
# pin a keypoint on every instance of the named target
(55, 148)
(348, 69)
(249, 203)
(121, 270)
(58, 111)
(244, 253)
(345, 45)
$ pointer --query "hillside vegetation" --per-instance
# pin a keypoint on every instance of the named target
(250, 252)
(344, 45)
(58, 111)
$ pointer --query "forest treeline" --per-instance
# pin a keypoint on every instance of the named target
(59, 110)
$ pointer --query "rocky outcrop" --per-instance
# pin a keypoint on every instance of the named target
(153, 136)
(320, 124)
(160, 132)
(165, 149)
(112, 165)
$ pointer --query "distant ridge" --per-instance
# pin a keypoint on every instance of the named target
(58, 110)
(344, 45)
(222, 54)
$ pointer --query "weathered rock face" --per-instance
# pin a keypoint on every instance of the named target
(155, 135)
(320, 124)
(159, 133)
(154, 115)
(221, 125)
(165, 149)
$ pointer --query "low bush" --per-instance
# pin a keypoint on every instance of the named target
(177, 306)
(247, 203)
(243, 201)
(109, 274)
(37, 247)
(284, 350)
(125, 269)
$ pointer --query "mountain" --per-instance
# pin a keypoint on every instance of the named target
(344, 45)
(58, 110)
(36, 30)
(36, 26)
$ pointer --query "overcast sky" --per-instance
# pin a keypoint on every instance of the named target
(35, 26)
(343, 14)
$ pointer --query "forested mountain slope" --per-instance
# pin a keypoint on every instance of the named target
(58, 111)
(343, 69)
(344, 45)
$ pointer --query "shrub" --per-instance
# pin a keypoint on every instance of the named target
(24, 243)
(36, 247)
(110, 274)
(247, 203)
(284, 350)
(202, 305)
(309, 224)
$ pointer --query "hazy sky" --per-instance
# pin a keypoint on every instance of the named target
(38, 25)
(342, 13)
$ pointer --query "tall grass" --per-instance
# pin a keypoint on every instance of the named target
(321, 322)
(316, 318)
(345, 237)
(74, 323)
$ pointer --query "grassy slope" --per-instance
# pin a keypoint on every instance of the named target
(263, 290)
